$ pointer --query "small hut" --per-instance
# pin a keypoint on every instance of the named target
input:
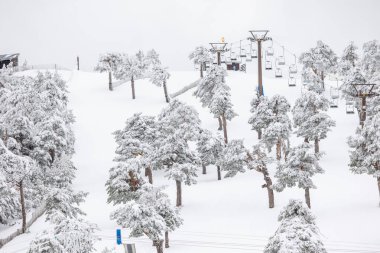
(6, 59)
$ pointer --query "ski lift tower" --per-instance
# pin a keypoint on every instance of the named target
(218, 48)
(259, 36)
(363, 90)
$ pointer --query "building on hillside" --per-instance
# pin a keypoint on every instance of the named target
(6, 59)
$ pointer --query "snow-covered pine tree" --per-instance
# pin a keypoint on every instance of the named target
(279, 128)
(365, 149)
(108, 62)
(200, 56)
(164, 208)
(208, 87)
(125, 181)
(317, 63)
(178, 123)
(158, 76)
(233, 158)
(137, 139)
(221, 107)
(131, 68)
(17, 170)
(261, 114)
(68, 236)
(210, 148)
(9, 201)
(310, 122)
(349, 59)
(142, 217)
(370, 63)
(297, 232)
(152, 58)
(298, 170)
(258, 160)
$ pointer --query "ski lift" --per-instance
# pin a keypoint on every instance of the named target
(334, 103)
(293, 67)
(269, 51)
(268, 65)
(242, 53)
(254, 54)
(334, 93)
(278, 73)
(292, 81)
(350, 107)
(281, 58)
(233, 57)
(249, 57)
(222, 59)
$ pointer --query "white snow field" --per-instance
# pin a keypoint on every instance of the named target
(230, 215)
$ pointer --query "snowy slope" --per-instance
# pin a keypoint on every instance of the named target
(220, 216)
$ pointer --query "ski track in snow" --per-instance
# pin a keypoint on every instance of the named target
(219, 216)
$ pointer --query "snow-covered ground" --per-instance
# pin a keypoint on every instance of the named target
(230, 215)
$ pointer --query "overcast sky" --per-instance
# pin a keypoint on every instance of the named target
(55, 31)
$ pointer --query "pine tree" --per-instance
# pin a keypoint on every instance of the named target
(317, 63)
(261, 114)
(311, 123)
(9, 201)
(233, 158)
(370, 60)
(349, 59)
(137, 140)
(279, 128)
(365, 149)
(158, 76)
(221, 107)
(200, 56)
(109, 62)
(258, 160)
(300, 166)
(210, 148)
(208, 87)
(131, 68)
(297, 232)
(153, 58)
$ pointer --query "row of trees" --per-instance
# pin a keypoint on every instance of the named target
(36, 147)
(134, 67)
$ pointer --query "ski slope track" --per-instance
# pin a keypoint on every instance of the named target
(230, 215)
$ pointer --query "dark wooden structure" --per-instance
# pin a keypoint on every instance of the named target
(6, 59)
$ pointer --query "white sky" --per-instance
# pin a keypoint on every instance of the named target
(55, 31)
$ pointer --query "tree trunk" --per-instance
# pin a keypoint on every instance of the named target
(278, 150)
(110, 81)
(23, 211)
(316, 145)
(166, 92)
(179, 193)
(378, 185)
(204, 171)
(268, 185)
(201, 69)
(219, 172)
(133, 88)
(306, 140)
(166, 239)
(159, 247)
(259, 134)
(307, 197)
(225, 129)
(149, 174)
(220, 124)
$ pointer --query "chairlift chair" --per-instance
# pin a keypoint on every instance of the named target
(222, 59)
(293, 69)
(281, 60)
(334, 102)
(242, 53)
(350, 107)
(334, 93)
(269, 51)
(228, 59)
(292, 81)
(233, 57)
(254, 54)
(278, 73)
(268, 65)
(249, 57)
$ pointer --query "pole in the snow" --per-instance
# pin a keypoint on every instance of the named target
(218, 48)
(259, 36)
(77, 62)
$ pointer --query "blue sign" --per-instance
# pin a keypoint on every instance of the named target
(118, 236)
